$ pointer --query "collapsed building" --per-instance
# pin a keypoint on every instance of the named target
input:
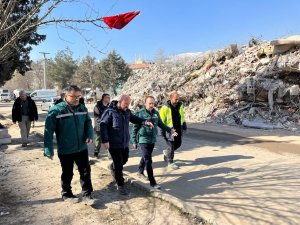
(252, 86)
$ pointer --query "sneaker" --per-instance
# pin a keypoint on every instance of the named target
(122, 190)
(155, 186)
(70, 198)
(88, 200)
(173, 166)
(142, 176)
(24, 145)
(96, 154)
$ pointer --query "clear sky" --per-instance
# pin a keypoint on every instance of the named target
(174, 26)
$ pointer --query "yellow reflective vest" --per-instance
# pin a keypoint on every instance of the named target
(166, 115)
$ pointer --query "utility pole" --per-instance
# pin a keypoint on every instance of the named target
(45, 53)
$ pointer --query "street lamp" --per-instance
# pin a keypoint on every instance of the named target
(45, 53)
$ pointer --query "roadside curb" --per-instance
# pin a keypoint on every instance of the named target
(247, 133)
(162, 195)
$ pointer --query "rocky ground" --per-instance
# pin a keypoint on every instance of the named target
(30, 193)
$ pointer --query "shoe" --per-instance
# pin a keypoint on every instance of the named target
(122, 190)
(24, 145)
(88, 200)
(142, 176)
(173, 166)
(96, 154)
(70, 198)
(155, 186)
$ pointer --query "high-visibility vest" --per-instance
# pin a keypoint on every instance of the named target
(166, 115)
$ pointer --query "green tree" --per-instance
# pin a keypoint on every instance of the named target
(19, 21)
(62, 69)
(15, 49)
(86, 72)
(114, 71)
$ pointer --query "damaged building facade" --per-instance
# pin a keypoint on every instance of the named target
(253, 86)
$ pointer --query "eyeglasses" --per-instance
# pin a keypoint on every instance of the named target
(75, 97)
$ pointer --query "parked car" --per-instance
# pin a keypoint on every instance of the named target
(40, 95)
(48, 103)
(5, 97)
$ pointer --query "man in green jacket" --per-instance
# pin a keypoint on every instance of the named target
(73, 128)
(146, 137)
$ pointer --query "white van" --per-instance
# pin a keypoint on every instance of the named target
(40, 95)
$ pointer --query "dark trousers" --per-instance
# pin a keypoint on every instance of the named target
(67, 163)
(120, 158)
(172, 147)
(146, 161)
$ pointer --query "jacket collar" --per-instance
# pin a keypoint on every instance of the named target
(169, 104)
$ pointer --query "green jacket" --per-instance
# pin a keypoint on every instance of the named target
(72, 126)
(144, 134)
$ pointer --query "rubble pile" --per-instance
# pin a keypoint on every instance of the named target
(254, 86)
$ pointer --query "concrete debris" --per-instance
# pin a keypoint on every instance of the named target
(247, 86)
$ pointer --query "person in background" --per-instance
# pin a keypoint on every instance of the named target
(99, 108)
(145, 137)
(25, 112)
(62, 98)
(172, 115)
(114, 128)
(73, 128)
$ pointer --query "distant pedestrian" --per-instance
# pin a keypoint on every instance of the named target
(73, 128)
(114, 128)
(81, 100)
(25, 112)
(172, 115)
(99, 108)
(145, 137)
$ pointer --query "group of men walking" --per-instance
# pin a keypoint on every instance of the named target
(70, 121)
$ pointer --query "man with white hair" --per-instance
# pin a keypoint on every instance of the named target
(114, 128)
(25, 112)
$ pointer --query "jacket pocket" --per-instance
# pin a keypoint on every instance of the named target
(116, 123)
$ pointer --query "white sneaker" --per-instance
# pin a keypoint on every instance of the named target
(156, 186)
(173, 166)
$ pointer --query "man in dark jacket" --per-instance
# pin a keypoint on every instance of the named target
(99, 108)
(73, 128)
(146, 138)
(114, 128)
(172, 115)
(24, 111)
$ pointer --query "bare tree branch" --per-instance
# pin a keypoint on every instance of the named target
(12, 30)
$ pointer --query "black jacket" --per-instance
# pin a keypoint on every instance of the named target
(114, 126)
(17, 111)
(98, 111)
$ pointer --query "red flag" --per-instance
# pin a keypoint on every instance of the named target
(121, 20)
